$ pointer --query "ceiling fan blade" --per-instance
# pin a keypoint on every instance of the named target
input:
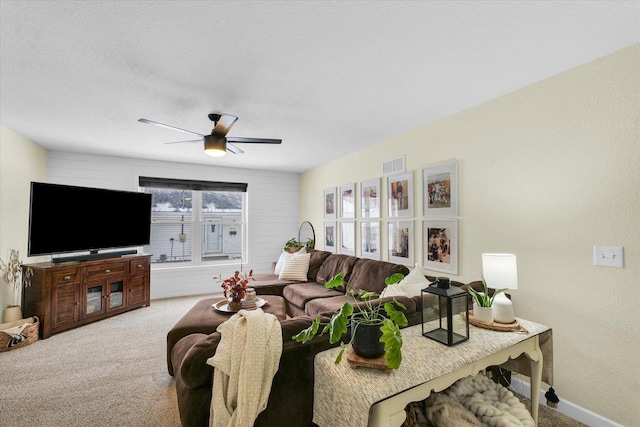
(186, 142)
(162, 125)
(237, 139)
(223, 125)
(233, 149)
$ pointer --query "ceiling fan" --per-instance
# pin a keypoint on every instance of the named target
(217, 144)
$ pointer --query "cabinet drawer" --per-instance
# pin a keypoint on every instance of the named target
(66, 276)
(138, 266)
(107, 268)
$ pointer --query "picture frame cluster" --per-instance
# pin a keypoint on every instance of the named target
(353, 220)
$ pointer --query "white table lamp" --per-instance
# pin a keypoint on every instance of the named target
(500, 271)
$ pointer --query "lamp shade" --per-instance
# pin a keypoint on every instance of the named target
(215, 146)
(500, 271)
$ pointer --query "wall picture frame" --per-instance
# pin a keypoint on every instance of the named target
(440, 245)
(370, 198)
(348, 200)
(330, 203)
(330, 236)
(440, 189)
(370, 239)
(400, 242)
(400, 195)
(348, 237)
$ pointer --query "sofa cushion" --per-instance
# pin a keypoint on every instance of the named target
(269, 284)
(295, 267)
(317, 259)
(370, 274)
(299, 293)
(334, 264)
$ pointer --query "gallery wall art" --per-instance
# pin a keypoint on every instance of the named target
(440, 190)
(440, 245)
(355, 217)
(400, 195)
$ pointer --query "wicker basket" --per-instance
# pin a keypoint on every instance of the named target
(30, 331)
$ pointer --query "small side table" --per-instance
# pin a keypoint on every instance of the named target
(373, 399)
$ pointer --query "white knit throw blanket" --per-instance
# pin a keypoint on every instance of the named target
(245, 362)
(493, 404)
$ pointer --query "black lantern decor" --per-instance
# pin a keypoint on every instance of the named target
(445, 312)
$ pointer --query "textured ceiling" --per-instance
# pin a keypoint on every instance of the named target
(328, 78)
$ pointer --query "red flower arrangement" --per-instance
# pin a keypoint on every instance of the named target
(235, 287)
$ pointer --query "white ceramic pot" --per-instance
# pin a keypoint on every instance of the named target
(483, 314)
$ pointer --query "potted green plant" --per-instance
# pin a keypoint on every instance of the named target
(293, 245)
(386, 315)
(483, 302)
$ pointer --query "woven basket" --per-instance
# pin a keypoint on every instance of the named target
(30, 331)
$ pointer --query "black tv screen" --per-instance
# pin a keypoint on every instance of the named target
(64, 218)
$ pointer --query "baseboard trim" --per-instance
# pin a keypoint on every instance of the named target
(565, 407)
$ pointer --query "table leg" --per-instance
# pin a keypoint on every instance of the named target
(535, 361)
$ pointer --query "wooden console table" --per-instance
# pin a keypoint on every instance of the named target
(71, 294)
(367, 397)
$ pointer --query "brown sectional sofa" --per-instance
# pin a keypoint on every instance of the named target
(291, 398)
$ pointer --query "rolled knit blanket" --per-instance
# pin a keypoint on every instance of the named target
(493, 404)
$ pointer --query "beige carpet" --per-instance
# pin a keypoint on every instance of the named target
(109, 373)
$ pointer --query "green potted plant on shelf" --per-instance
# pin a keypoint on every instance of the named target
(483, 302)
(386, 318)
(293, 245)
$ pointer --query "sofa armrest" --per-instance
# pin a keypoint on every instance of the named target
(190, 355)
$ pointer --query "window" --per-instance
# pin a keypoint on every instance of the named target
(196, 222)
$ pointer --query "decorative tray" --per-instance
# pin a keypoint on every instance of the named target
(223, 306)
(515, 326)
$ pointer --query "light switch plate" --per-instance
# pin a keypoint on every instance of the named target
(608, 256)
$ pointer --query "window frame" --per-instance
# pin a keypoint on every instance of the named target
(198, 219)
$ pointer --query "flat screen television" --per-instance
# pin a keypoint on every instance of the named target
(64, 219)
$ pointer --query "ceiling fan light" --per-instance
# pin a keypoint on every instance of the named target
(215, 146)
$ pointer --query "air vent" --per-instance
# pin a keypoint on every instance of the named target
(389, 167)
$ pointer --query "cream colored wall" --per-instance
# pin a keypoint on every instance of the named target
(545, 172)
(21, 162)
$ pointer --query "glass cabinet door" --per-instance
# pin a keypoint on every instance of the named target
(94, 300)
(116, 295)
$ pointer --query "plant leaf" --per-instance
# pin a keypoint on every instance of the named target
(392, 339)
(478, 297)
(399, 304)
(394, 278)
(368, 295)
(307, 334)
(338, 323)
(396, 316)
(339, 356)
(335, 281)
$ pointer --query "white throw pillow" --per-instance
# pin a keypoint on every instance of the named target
(411, 285)
(280, 263)
(278, 269)
(295, 266)
(394, 291)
